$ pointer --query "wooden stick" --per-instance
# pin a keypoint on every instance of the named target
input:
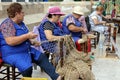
(61, 51)
(114, 37)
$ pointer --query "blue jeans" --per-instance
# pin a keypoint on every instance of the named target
(44, 63)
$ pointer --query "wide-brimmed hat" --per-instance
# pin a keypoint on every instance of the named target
(55, 10)
(78, 10)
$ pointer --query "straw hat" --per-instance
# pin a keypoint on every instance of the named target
(78, 10)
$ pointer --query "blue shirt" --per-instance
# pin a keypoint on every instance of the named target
(56, 31)
(8, 29)
(70, 19)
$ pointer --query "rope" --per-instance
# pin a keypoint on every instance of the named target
(76, 63)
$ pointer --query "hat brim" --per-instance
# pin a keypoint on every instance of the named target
(58, 13)
(79, 13)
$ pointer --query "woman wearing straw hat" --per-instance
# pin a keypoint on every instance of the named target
(72, 25)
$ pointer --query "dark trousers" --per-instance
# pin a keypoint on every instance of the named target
(44, 63)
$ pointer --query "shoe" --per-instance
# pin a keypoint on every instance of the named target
(59, 78)
(91, 36)
(81, 41)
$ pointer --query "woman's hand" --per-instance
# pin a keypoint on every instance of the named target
(35, 43)
(31, 35)
(103, 22)
(85, 30)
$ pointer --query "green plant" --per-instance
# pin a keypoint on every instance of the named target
(111, 6)
(118, 5)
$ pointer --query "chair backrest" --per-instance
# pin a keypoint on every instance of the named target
(88, 23)
(36, 31)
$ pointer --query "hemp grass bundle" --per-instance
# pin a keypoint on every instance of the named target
(75, 64)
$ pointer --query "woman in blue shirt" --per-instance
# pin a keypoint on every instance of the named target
(50, 30)
(16, 44)
(72, 25)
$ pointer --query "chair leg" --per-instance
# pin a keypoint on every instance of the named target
(8, 73)
(98, 35)
(35, 66)
(95, 42)
(13, 73)
(82, 47)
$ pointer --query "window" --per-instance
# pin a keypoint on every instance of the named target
(35, 0)
(20, 0)
(6, 0)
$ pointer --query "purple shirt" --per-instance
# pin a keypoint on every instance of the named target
(82, 20)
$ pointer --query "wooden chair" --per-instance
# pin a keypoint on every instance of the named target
(8, 72)
(95, 39)
(85, 44)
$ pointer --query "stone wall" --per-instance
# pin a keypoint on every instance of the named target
(29, 8)
(35, 11)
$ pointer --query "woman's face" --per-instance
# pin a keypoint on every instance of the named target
(100, 12)
(78, 16)
(20, 16)
(56, 18)
(103, 1)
